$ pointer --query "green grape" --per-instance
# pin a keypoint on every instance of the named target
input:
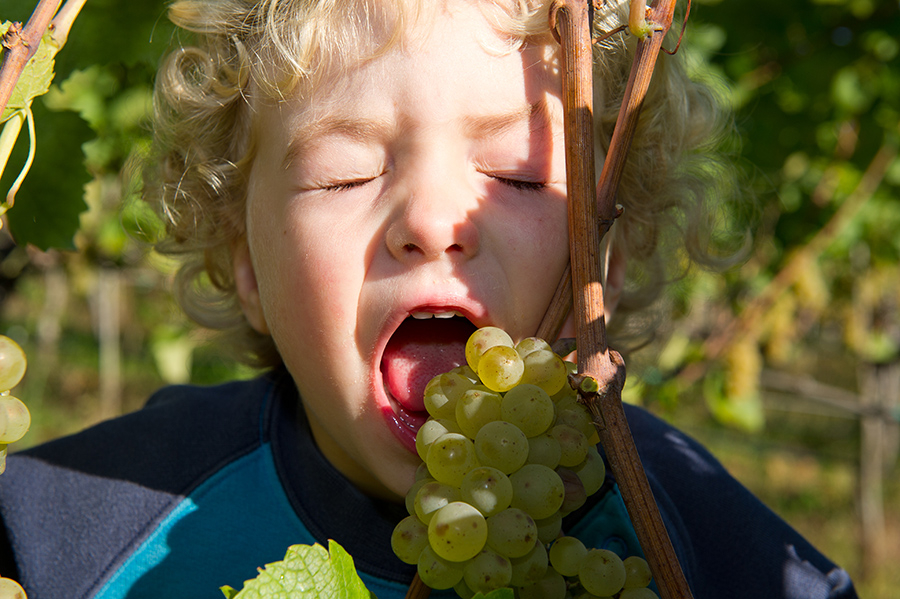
(575, 496)
(544, 449)
(592, 471)
(637, 572)
(529, 408)
(549, 528)
(413, 491)
(501, 445)
(546, 370)
(450, 457)
(431, 497)
(443, 392)
(577, 416)
(437, 404)
(457, 532)
(455, 384)
(551, 586)
(566, 555)
(10, 589)
(463, 590)
(409, 538)
(466, 372)
(437, 572)
(487, 571)
(12, 363)
(476, 408)
(602, 572)
(422, 472)
(501, 368)
(638, 593)
(430, 431)
(537, 490)
(565, 401)
(3, 452)
(14, 419)
(486, 488)
(511, 533)
(573, 445)
(529, 568)
(531, 344)
(482, 340)
(566, 392)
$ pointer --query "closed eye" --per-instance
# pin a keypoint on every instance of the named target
(521, 184)
(345, 185)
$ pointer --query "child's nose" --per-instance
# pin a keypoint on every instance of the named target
(436, 220)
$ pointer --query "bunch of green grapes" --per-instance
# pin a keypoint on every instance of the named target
(587, 573)
(507, 452)
(14, 416)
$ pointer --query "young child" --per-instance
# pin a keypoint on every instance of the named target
(353, 187)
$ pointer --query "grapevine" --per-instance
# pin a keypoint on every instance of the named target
(507, 452)
(27, 70)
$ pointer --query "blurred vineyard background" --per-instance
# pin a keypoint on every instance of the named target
(787, 367)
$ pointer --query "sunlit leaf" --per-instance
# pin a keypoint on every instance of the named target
(307, 572)
(35, 78)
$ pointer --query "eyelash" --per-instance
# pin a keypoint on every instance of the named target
(345, 185)
(520, 184)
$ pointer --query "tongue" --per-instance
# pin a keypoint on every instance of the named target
(420, 350)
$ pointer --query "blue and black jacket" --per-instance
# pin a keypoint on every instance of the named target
(206, 484)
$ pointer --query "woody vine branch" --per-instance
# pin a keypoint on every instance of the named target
(602, 371)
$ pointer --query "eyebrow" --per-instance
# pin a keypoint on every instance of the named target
(496, 124)
(352, 128)
(475, 127)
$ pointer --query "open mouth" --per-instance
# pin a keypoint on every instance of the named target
(426, 343)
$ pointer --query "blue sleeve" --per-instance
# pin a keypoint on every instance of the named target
(76, 507)
(736, 546)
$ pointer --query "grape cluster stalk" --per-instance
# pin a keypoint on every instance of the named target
(507, 452)
(591, 214)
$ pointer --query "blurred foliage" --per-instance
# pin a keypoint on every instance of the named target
(97, 109)
(83, 194)
(815, 87)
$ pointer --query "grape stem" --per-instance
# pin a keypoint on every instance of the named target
(601, 370)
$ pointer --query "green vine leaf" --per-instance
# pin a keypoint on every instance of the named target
(51, 199)
(306, 572)
(35, 78)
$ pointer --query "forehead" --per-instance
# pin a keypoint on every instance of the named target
(306, 46)
(452, 61)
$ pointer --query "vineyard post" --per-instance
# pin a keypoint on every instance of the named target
(602, 371)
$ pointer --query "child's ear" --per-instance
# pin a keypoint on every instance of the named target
(246, 287)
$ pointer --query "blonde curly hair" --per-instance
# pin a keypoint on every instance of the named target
(246, 49)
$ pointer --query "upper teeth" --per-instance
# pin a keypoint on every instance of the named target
(426, 315)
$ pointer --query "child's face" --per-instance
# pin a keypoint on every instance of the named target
(430, 180)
